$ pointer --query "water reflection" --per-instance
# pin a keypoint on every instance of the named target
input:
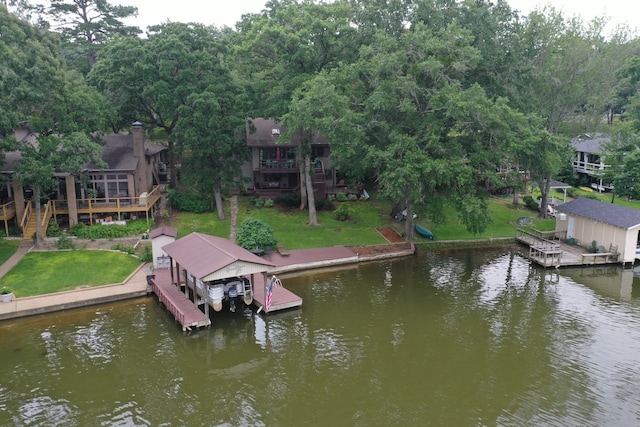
(451, 337)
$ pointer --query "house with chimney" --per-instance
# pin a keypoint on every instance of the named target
(127, 188)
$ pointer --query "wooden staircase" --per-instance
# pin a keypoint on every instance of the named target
(30, 228)
(29, 223)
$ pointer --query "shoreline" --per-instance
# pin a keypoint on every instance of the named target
(136, 284)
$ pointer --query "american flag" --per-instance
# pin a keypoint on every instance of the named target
(270, 293)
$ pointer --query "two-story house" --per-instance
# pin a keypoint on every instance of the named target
(274, 167)
(588, 160)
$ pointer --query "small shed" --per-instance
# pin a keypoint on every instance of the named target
(161, 237)
(610, 226)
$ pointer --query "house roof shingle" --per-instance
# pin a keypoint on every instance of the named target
(117, 152)
(263, 135)
(163, 231)
(608, 213)
(590, 143)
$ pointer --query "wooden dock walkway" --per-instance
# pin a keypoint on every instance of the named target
(549, 251)
(184, 310)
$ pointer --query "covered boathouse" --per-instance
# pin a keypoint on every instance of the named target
(207, 272)
(587, 232)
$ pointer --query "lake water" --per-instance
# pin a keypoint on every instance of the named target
(469, 337)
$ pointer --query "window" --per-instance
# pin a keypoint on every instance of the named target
(110, 186)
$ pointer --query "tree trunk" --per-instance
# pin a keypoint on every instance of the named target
(219, 207)
(409, 230)
(313, 219)
(516, 184)
(303, 178)
(234, 218)
(36, 197)
(173, 181)
(544, 201)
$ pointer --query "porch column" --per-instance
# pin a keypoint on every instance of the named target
(72, 204)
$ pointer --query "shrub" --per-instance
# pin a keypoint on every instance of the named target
(342, 213)
(123, 248)
(291, 200)
(147, 255)
(65, 242)
(530, 203)
(268, 203)
(110, 232)
(255, 233)
(188, 201)
(324, 204)
(341, 197)
(53, 230)
(352, 197)
(258, 203)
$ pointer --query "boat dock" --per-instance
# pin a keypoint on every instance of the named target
(549, 251)
(281, 298)
(179, 305)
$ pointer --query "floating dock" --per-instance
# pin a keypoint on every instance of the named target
(547, 251)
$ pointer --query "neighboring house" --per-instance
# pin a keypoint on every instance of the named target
(274, 167)
(588, 160)
(592, 223)
(127, 188)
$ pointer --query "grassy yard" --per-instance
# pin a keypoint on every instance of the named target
(7, 248)
(46, 272)
(41, 273)
(290, 226)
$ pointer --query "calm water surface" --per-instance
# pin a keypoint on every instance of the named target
(473, 337)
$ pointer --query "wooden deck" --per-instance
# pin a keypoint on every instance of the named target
(548, 251)
(281, 299)
(184, 310)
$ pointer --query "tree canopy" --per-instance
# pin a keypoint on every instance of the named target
(429, 98)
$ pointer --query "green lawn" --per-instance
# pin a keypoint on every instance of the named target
(41, 273)
(290, 225)
(7, 248)
(505, 218)
(46, 272)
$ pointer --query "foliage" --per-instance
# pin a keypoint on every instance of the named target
(342, 213)
(258, 203)
(86, 25)
(53, 230)
(254, 233)
(147, 254)
(98, 231)
(268, 203)
(530, 203)
(123, 248)
(188, 201)
(65, 242)
(341, 197)
(289, 200)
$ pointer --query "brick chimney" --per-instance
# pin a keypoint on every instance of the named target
(138, 151)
